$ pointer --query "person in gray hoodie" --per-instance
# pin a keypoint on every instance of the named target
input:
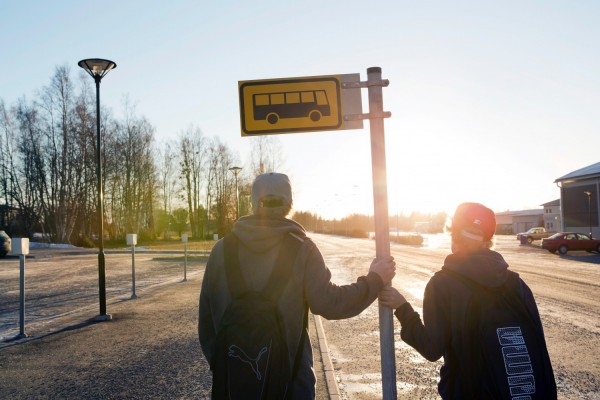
(447, 308)
(259, 238)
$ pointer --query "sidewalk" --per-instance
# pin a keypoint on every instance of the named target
(149, 350)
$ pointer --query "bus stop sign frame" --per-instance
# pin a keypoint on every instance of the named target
(306, 104)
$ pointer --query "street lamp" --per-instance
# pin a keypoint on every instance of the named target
(235, 171)
(589, 195)
(98, 68)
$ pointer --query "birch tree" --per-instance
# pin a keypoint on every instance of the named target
(266, 155)
(132, 175)
(222, 186)
(192, 147)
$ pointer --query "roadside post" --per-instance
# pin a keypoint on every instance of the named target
(329, 103)
(184, 239)
(132, 241)
(20, 246)
(382, 231)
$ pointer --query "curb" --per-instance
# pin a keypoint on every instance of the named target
(330, 379)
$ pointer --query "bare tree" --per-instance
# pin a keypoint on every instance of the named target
(167, 181)
(29, 191)
(6, 155)
(132, 175)
(85, 126)
(10, 189)
(193, 151)
(64, 145)
(222, 186)
(167, 173)
(265, 155)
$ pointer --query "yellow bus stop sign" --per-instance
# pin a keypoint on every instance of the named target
(291, 105)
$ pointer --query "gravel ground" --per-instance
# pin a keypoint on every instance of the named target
(148, 350)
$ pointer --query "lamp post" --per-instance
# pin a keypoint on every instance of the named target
(235, 171)
(589, 195)
(98, 68)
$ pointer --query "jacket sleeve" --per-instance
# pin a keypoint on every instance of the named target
(531, 304)
(429, 337)
(336, 301)
(206, 327)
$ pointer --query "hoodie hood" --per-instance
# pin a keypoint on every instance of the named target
(484, 266)
(262, 234)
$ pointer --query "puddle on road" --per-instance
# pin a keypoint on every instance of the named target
(414, 289)
(368, 385)
(436, 241)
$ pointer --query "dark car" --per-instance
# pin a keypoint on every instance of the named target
(570, 241)
(4, 244)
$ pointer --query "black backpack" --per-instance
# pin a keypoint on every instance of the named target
(507, 356)
(251, 358)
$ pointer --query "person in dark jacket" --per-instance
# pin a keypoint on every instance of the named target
(442, 332)
(260, 236)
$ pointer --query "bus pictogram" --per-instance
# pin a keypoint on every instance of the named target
(272, 107)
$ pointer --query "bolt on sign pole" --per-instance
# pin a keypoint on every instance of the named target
(382, 231)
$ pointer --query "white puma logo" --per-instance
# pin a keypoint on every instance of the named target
(235, 351)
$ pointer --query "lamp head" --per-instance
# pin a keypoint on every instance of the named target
(97, 67)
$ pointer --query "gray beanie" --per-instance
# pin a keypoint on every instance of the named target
(271, 190)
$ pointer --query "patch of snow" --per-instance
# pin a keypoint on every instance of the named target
(38, 245)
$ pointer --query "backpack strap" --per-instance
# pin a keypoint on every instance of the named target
(300, 349)
(235, 280)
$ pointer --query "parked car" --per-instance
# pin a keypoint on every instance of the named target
(570, 241)
(4, 244)
(536, 233)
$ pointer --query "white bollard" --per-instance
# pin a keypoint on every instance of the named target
(184, 239)
(132, 241)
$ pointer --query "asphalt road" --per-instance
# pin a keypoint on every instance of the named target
(566, 290)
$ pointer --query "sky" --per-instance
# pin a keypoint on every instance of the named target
(490, 101)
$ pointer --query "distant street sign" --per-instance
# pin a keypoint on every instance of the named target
(291, 105)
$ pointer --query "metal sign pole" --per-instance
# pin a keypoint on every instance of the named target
(382, 231)
(184, 239)
(22, 298)
(133, 295)
(185, 262)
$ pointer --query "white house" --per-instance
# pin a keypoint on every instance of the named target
(552, 217)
